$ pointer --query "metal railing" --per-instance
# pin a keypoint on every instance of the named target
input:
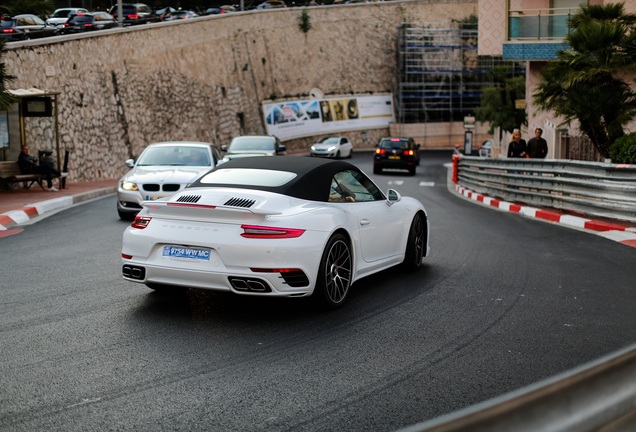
(544, 24)
(600, 395)
(593, 188)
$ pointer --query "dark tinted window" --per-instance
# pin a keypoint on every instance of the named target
(81, 19)
(394, 144)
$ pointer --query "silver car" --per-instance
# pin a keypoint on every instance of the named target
(253, 145)
(161, 170)
(333, 147)
(60, 16)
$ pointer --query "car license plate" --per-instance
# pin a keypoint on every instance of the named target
(186, 252)
(394, 157)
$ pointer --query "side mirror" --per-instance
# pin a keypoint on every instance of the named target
(281, 149)
(224, 148)
(393, 196)
(130, 163)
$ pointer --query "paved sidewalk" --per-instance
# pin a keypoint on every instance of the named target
(21, 205)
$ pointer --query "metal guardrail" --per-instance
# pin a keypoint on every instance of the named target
(596, 189)
(599, 396)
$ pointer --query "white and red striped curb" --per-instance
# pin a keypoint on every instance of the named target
(614, 231)
(18, 217)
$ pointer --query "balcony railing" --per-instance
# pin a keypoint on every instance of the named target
(543, 24)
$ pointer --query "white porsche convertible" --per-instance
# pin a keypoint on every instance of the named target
(286, 226)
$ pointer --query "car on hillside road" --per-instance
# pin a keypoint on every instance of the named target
(288, 226)
(134, 14)
(396, 153)
(333, 147)
(25, 27)
(87, 22)
(60, 16)
(161, 170)
(181, 15)
(253, 145)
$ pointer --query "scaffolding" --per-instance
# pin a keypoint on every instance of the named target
(440, 74)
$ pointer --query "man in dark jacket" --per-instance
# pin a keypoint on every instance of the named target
(537, 146)
(29, 165)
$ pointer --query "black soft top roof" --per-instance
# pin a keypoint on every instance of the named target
(312, 181)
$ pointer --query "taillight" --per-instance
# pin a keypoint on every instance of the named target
(256, 231)
(126, 256)
(133, 16)
(409, 152)
(274, 270)
(8, 30)
(141, 222)
(380, 151)
(67, 25)
(88, 25)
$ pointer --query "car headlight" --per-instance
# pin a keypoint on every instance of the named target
(332, 148)
(129, 186)
(313, 148)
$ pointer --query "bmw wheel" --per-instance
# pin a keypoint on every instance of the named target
(416, 244)
(334, 273)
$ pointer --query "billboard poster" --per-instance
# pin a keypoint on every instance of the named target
(301, 118)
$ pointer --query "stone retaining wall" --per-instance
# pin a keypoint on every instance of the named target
(205, 79)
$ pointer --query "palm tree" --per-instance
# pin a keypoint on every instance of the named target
(585, 83)
(6, 99)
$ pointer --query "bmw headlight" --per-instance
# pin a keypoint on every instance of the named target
(129, 186)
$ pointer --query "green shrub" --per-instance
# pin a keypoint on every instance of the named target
(623, 150)
(304, 21)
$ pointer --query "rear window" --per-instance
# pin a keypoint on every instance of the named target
(394, 144)
(6, 23)
(81, 19)
(248, 177)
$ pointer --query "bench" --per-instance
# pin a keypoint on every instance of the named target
(10, 174)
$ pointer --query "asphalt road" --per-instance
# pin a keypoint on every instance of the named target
(503, 301)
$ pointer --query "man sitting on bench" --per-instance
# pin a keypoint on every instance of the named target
(29, 165)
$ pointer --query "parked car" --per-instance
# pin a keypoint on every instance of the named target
(398, 153)
(253, 145)
(161, 170)
(181, 14)
(275, 227)
(332, 146)
(219, 10)
(134, 13)
(24, 27)
(271, 4)
(60, 16)
(84, 22)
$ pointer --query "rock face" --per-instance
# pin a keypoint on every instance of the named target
(205, 79)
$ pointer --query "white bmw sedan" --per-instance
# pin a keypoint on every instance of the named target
(286, 226)
(161, 170)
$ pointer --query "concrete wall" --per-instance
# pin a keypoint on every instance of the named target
(205, 79)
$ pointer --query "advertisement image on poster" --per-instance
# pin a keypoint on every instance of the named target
(297, 119)
(4, 129)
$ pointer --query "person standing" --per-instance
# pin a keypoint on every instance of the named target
(29, 165)
(537, 146)
(517, 147)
